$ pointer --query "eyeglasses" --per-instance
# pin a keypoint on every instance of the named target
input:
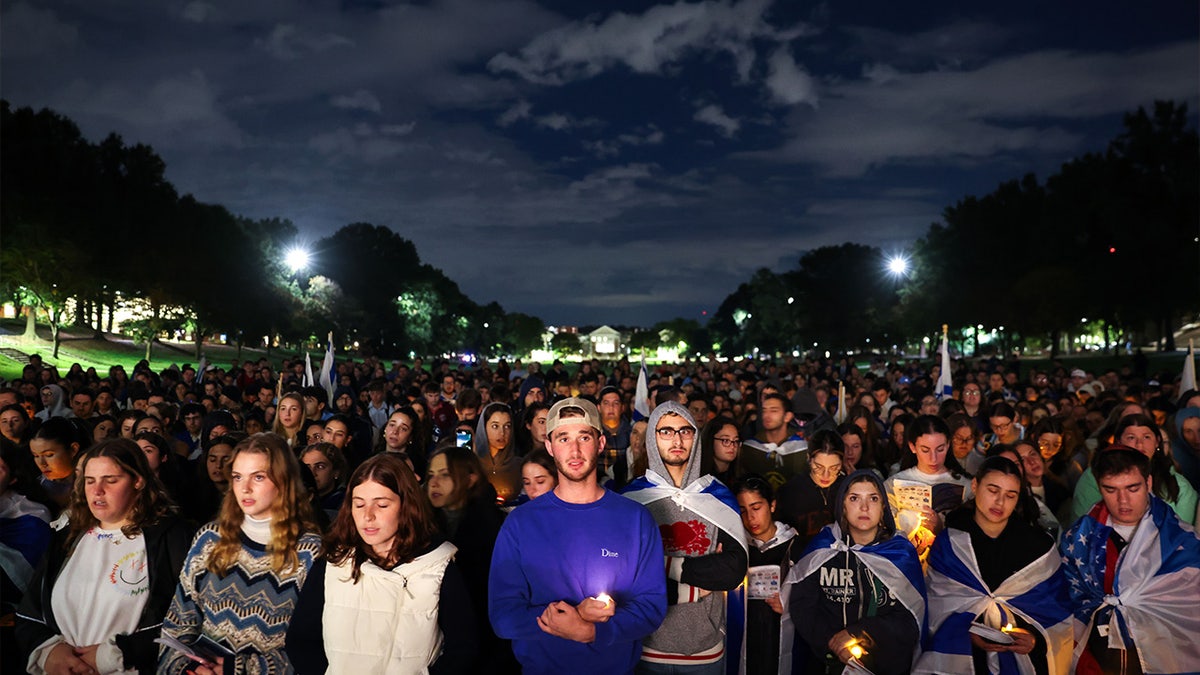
(818, 470)
(726, 442)
(972, 393)
(668, 433)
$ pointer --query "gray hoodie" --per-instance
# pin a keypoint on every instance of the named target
(696, 571)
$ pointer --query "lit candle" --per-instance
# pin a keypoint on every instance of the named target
(855, 648)
(605, 598)
(1007, 629)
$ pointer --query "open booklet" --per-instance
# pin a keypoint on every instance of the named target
(855, 667)
(204, 650)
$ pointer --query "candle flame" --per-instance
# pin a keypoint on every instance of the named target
(1007, 629)
(605, 598)
(856, 649)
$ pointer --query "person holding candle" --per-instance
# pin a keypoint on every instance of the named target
(994, 569)
(576, 579)
(929, 463)
(858, 593)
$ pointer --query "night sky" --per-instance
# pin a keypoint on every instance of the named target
(603, 162)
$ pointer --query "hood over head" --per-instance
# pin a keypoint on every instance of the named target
(887, 523)
(482, 446)
(692, 470)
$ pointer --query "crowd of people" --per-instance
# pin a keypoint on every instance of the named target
(755, 516)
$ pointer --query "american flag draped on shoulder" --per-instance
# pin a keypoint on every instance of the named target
(957, 595)
(893, 561)
(1155, 587)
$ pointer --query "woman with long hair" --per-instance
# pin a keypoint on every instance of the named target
(496, 448)
(858, 593)
(538, 473)
(14, 423)
(97, 599)
(55, 446)
(1141, 433)
(247, 567)
(289, 419)
(775, 548)
(997, 593)
(930, 482)
(464, 504)
(1061, 446)
(806, 501)
(403, 434)
(388, 597)
(329, 469)
(719, 447)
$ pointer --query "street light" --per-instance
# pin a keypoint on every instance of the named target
(898, 265)
(296, 259)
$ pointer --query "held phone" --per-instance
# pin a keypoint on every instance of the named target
(462, 438)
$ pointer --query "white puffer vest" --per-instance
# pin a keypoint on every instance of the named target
(387, 623)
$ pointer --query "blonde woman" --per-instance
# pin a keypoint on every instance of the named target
(244, 572)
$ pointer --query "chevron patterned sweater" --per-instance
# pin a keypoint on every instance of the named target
(247, 610)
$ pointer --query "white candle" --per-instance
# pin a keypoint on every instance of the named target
(605, 598)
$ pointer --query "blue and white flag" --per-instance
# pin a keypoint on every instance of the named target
(944, 387)
(958, 597)
(1155, 587)
(893, 561)
(641, 396)
(325, 379)
(706, 496)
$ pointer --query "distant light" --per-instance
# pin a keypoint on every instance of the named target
(1112, 249)
(791, 299)
(485, 325)
(296, 259)
(898, 265)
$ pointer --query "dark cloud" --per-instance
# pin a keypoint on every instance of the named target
(592, 165)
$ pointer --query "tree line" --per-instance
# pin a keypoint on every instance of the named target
(1112, 239)
(91, 227)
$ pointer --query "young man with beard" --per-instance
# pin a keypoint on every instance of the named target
(576, 578)
(705, 544)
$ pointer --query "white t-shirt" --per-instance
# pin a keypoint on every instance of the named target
(102, 589)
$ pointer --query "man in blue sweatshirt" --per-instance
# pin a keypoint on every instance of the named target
(577, 574)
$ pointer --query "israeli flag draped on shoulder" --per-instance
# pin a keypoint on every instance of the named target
(1155, 588)
(957, 595)
(705, 496)
(893, 561)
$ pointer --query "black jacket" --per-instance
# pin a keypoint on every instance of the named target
(167, 544)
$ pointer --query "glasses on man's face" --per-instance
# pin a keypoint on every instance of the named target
(727, 443)
(971, 392)
(665, 434)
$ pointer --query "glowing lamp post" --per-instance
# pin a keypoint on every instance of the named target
(296, 259)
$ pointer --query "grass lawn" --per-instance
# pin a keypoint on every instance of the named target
(81, 348)
(116, 349)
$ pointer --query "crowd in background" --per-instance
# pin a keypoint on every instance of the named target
(242, 506)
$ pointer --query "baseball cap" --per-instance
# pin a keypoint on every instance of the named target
(591, 416)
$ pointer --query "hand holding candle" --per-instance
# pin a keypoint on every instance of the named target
(597, 609)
